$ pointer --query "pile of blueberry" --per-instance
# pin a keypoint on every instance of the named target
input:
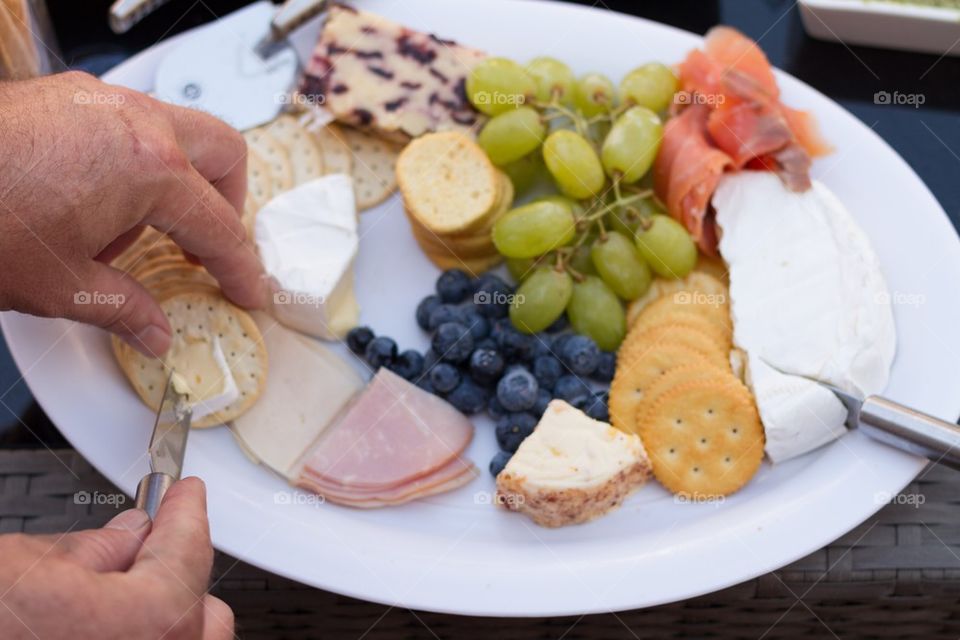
(478, 361)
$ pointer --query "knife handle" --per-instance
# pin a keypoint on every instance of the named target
(911, 430)
(126, 13)
(151, 490)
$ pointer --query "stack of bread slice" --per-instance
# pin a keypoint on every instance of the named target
(453, 195)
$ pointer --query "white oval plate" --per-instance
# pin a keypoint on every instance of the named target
(457, 553)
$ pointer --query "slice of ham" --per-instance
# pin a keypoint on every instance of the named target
(454, 474)
(395, 442)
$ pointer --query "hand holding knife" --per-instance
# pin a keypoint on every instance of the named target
(167, 447)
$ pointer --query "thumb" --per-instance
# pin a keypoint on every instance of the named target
(118, 303)
(112, 548)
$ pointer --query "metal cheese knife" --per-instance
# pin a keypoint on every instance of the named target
(167, 446)
(239, 68)
(900, 426)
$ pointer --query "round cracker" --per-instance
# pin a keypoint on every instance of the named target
(690, 330)
(695, 281)
(374, 167)
(304, 154)
(678, 306)
(632, 382)
(259, 179)
(336, 154)
(704, 438)
(275, 155)
(199, 317)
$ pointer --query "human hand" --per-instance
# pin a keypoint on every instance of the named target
(83, 167)
(126, 581)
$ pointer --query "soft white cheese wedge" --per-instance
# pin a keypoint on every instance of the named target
(203, 375)
(572, 468)
(807, 297)
(798, 415)
(307, 387)
(307, 239)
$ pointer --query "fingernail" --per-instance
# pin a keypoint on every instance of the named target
(129, 520)
(152, 341)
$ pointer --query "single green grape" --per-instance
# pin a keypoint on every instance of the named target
(574, 205)
(621, 267)
(511, 135)
(496, 85)
(651, 85)
(541, 299)
(667, 247)
(573, 164)
(596, 311)
(523, 173)
(593, 94)
(631, 146)
(533, 229)
(553, 78)
(519, 268)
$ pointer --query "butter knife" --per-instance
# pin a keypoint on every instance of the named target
(900, 426)
(167, 447)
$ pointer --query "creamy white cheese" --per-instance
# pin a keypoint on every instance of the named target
(807, 297)
(569, 450)
(307, 239)
(202, 374)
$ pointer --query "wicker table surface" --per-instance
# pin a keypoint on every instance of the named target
(895, 576)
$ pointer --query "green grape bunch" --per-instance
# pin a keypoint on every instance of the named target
(599, 237)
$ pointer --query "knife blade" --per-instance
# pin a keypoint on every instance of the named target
(168, 444)
(897, 425)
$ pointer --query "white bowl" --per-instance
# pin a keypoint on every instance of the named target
(880, 23)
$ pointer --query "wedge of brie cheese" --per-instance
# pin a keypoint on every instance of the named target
(571, 469)
(307, 387)
(808, 300)
(201, 373)
(307, 239)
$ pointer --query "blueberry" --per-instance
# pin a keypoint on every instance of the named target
(424, 383)
(559, 324)
(547, 370)
(498, 462)
(543, 399)
(542, 345)
(478, 325)
(408, 364)
(559, 341)
(380, 352)
(430, 359)
(468, 397)
(513, 428)
(606, 366)
(444, 377)
(358, 338)
(424, 309)
(486, 343)
(515, 346)
(453, 285)
(517, 390)
(594, 405)
(443, 313)
(453, 342)
(486, 365)
(581, 355)
(569, 387)
(492, 296)
(495, 409)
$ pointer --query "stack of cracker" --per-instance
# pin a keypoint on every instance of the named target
(453, 195)
(674, 387)
(202, 321)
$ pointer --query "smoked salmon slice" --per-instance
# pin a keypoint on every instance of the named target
(729, 116)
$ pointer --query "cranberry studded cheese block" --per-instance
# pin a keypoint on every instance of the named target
(370, 72)
(394, 443)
